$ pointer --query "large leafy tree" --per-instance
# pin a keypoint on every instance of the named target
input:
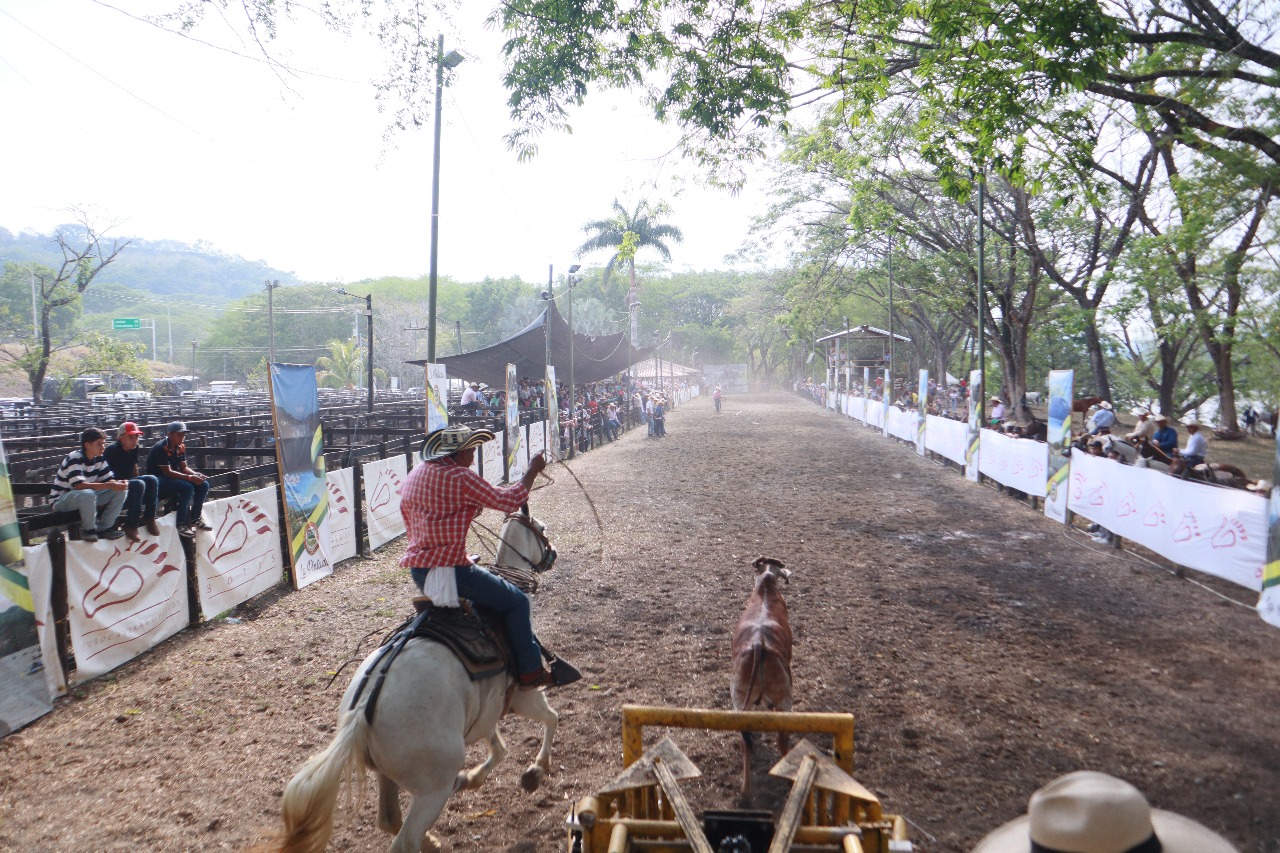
(626, 233)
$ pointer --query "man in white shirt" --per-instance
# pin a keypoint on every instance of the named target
(997, 411)
(1197, 446)
(469, 397)
(1145, 428)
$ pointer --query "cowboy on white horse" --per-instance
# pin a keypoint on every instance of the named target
(439, 501)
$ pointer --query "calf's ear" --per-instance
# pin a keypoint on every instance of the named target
(762, 563)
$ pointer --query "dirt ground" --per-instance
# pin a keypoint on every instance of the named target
(983, 649)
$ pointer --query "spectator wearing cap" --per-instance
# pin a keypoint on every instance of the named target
(1089, 812)
(1103, 419)
(144, 494)
(85, 484)
(168, 461)
(1165, 437)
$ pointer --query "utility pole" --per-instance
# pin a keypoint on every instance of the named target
(194, 381)
(271, 321)
(982, 301)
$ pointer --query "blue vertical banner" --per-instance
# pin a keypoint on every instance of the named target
(1269, 602)
(1061, 389)
(24, 694)
(437, 397)
(975, 427)
(553, 414)
(295, 409)
(514, 466)
(922, 406)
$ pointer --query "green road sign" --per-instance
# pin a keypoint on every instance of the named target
(126, 323)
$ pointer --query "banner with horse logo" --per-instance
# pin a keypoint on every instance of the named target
(1061, 389)
(491, 455)
(382, 481)
(240, 557)
(295, 410)
(553, 414)
(922, 405)
(517, 461)
(975, 404)
(342, 515)
(1269, 602)
(39, 565)
(437, 388)
(1018, 463)
(123, 600)
(24, 696)
(1217, 531)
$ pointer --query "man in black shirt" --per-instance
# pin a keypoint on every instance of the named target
(168, 461)
(140, 504)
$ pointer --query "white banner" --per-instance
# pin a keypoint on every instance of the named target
(901, 424)
(492, 461)
(1019, 463)
(858, 409)
(40, 575)
(123, 600)
(875, 414)
(947, 437)
(240, 557)
(1218, 531)
(342, 515)
(537, 438)
(382, 481)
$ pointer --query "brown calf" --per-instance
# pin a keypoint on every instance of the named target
(762, 656)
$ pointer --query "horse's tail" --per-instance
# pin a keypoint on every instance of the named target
(311, 795)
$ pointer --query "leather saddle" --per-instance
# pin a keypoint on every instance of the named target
(474, 634)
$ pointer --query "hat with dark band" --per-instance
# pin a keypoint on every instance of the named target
(451, 440)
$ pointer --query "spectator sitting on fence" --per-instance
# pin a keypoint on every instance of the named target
(1103, 419)
(168, 461)
(469, 397)
(1089, 812)
(85, 484)
(1145, 428)
(144, 493)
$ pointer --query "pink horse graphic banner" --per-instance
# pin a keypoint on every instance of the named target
(240, 557)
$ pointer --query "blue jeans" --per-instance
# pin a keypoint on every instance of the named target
(140, 504)
(503, 597)
(190, 497)
(89, 503)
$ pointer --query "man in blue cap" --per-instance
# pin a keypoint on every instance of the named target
(168, 461)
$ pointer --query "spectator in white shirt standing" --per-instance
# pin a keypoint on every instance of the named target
(85, 484)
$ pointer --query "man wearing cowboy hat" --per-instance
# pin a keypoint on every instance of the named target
(1088, 812)
(1197, 445)
(1144, 428)
(439, 500)
(470, 397)
(1165, 437)
(1103, 419)
(997, 411)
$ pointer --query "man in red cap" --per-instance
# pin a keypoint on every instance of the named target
(144, 489)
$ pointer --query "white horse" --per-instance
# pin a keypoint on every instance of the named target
(428, 712)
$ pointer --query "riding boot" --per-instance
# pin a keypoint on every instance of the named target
(561, 670)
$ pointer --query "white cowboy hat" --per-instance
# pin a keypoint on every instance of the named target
(1191, 422)
(1104, 405)
(1088, 812)
(1260, 486)
(452, 439)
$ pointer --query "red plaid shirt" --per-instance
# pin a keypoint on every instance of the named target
(438, 501)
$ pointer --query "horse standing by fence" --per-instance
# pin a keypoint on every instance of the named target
(428, 712)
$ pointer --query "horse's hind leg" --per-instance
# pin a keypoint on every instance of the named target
(389, 819)
(469, 780)
(532, 705)
(423, 811)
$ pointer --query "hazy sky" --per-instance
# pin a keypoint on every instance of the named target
(172, 139)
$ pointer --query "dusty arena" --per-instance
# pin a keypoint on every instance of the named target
(982, 649)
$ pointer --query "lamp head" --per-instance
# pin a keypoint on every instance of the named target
(452, 59)
(573, 269)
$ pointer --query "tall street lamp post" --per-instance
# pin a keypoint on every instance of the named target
(452, 59)
(368, 312)
(271, 323)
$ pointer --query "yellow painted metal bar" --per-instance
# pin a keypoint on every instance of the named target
(636, 717)
(649, 829)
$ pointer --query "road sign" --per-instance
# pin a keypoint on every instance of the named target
(126, 323)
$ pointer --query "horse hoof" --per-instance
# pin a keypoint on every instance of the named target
(532, 778)
(431, 844)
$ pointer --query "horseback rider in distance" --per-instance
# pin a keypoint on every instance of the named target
(440, 499)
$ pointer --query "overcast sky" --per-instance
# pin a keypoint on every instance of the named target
(172, 139)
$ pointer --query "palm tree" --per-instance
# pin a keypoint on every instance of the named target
(344, 367)
(627, 233)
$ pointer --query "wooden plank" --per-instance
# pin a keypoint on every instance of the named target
(785, 831)
(684, 812)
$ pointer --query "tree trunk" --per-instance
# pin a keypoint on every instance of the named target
(1098, 364)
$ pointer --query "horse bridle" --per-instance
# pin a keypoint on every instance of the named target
(548, 553)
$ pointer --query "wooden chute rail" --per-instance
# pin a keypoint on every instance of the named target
(644, 810)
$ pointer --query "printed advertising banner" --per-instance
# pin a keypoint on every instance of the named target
(553, 414)
(40, 574)
(437, 399)
(295, 409)
(1220, 532)
(1061, 393)
(24, 695)
(922, 405)
(382, 481)
(875, 415)
(1269, 603)
(1018, 463)
(947, 438)
(517, 454)
(901, 424)
(342, 515)
(975, 401)
(123, 601)
(492, 451)
(537, 438)
(240, 557)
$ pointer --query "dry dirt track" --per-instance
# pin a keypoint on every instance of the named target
(981, 651)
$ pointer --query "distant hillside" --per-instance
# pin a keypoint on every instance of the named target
(164, 267)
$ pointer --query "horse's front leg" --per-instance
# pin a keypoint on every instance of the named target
(532, 705)
(469, 780)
